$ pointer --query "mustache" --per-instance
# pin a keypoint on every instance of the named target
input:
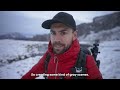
(58, 43)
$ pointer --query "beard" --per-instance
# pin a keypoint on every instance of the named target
(59, 48)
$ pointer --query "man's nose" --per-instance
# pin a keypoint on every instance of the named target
(57, 38)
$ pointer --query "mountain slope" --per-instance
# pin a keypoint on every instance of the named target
(102, 23)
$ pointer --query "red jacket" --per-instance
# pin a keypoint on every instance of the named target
(62, 64)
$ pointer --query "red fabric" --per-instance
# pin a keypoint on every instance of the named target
(62, 64)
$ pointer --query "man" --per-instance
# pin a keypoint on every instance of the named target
(63, 49)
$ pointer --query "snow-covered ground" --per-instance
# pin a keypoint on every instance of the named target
(17, 69)
(109, 57)
(15, 50)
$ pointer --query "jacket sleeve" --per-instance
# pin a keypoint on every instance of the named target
(92, 69)
(36, 69)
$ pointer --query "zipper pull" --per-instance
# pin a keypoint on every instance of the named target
(55, 58)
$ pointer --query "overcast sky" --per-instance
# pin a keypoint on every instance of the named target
(29, 22)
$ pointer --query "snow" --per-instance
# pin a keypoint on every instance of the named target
(17, 69)
(14, 50)
(109, 57)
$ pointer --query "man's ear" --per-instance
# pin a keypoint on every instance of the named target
(74, 35)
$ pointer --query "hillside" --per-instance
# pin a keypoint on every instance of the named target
(101, 23)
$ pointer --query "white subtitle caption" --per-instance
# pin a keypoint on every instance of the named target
(59, 74)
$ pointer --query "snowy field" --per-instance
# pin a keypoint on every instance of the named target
(17, 69)
(15, 50)
(109, 57)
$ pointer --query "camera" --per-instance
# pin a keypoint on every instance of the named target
(96, 44)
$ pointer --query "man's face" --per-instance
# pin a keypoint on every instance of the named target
(61, 37)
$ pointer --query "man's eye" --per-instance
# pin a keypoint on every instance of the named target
(63, 33)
